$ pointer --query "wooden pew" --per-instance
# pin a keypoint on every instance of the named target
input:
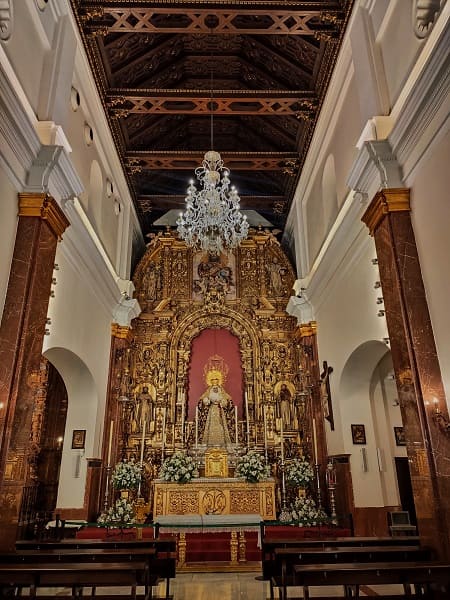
(76, 576)
(353, 575)
(162, 565)
(285, 559)
(270, 544)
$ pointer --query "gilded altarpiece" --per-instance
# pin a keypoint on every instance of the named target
(184, 293)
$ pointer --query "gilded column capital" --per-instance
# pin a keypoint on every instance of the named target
(45, 207)
(120, 331)
(383, 203)
(306, 329)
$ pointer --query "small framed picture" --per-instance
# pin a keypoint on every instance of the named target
(399, 436)
(78, 439)
(358, 434)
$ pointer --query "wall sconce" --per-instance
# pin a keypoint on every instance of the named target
(364, 465)
(377, 285)
(59, 442)
(380, 300)
(381, 313)
(374, 261)
(441, 420)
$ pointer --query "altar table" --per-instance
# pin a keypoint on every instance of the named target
(236, 525)
(214, 496)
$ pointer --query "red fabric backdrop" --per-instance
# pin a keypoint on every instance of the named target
(212, 342)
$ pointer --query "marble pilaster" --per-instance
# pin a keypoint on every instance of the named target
(40, 225)
(420, 389)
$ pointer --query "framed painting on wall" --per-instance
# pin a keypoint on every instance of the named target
(78, 439)
(358, 434)
(399, 433)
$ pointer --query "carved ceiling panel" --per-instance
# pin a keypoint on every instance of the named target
(267, 64)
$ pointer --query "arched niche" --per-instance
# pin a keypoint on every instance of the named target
(224, 319)
(81, 415)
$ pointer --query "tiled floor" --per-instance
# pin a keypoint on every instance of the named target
(228, 586)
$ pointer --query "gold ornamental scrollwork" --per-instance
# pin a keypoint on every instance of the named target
(244, 502)
(183, 502)
(214, 502)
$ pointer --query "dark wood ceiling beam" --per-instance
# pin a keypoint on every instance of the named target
(121, 103)
(166, 201)
(187, 161)
(270, 21)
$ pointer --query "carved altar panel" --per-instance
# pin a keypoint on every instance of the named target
(219, 497)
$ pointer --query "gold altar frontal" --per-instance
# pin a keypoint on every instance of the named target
(214, 496)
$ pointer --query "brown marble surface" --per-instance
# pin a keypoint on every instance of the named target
(21, 338)
(418, 376)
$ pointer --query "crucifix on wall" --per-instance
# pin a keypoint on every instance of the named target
(325, 394)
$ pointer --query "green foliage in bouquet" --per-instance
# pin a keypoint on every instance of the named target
(299, 472)
(253, 467)
(126, 475)
(119, 515)
(179, 468)
(306, 514)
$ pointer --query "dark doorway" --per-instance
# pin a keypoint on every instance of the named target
(405, 488)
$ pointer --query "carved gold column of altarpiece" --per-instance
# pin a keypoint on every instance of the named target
(182, 293)
(416, 364)
(41, 224)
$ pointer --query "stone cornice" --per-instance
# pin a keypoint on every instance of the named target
(375, 167)
(383, 203)
(45, 207)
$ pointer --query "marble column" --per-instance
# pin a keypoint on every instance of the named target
(420, 389)
(40, 225)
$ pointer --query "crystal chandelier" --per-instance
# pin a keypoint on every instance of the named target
(212, 220)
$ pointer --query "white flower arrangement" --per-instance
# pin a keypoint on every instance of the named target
(122, 513)
(253, 467)
(179, 468)
(299, 472)
(306, 514)
(126, 475)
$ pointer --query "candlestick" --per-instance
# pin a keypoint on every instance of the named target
(265, 432)
(316, 455)
(163, 443)
(248, 419)
(282, 442)
(182, 416)
(111, 428)
(236, 424)
(196, 427)
(143, 442)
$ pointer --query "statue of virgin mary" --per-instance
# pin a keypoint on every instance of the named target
(216, 412)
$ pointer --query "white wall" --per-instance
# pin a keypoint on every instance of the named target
(382, 67)
(431, 220)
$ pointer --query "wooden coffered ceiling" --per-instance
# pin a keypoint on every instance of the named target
(268, 65)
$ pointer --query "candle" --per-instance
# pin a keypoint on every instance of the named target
(265, 432)
(143, 442)
(236, 423)
(316, 455)
(163, 442)
(182, 416)
(196, 427)
(248, 419)
(110, 443)
(282, 442)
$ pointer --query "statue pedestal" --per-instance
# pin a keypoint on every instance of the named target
(214, 496)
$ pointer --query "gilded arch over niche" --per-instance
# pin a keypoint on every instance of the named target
(224, 318)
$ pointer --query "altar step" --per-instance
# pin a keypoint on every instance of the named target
(211, 551)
